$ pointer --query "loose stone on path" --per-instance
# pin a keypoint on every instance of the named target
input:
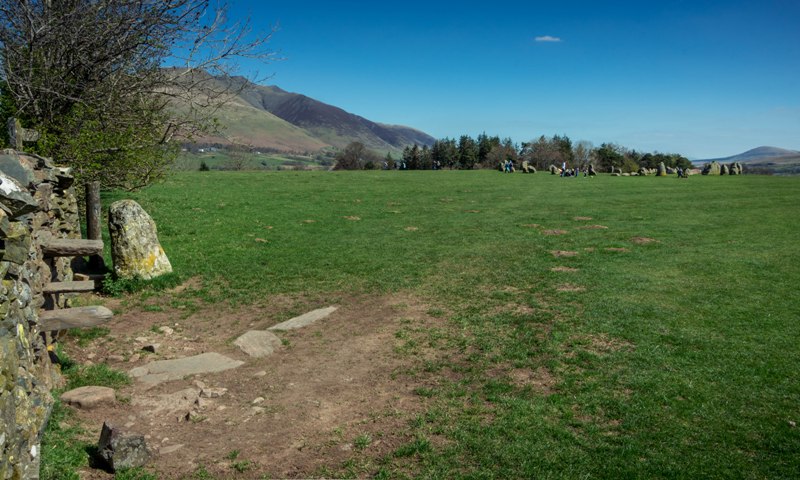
(304, 320)
(167, 370)
(258, 343)
(88, 397)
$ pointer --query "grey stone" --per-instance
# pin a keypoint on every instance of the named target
(119, 449)
(168, 370)
(167, 403)
(662, 170)
(17, 167)
(89, 397)
(304, 320)
(170, 449)
(258, 343)
(15, 197)
(213, 392)
(135, 249)
(712, 168)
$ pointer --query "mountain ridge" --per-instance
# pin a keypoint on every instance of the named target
(762, 154)
(325, 123)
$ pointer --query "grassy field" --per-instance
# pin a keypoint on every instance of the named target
(662, 344)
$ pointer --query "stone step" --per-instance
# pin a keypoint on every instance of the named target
(69, 287)
(79, 317)
(72, 247)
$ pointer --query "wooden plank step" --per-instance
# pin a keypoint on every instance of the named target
(69, 287)
(72, 247)
(79, 317)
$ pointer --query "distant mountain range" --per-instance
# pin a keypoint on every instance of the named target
(270, 118)
(761, 156)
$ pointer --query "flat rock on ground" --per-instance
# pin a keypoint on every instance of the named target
(88, 397)
(304, 320)
(258, 343)
(166, 370)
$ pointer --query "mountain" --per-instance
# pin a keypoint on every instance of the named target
(760, 155)
(269, 117)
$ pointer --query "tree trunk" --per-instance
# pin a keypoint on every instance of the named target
(93, 217)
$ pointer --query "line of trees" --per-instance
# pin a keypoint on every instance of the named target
(486, 151)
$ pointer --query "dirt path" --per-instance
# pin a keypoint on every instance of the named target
(333, 386)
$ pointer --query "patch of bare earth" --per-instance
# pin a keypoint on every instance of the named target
(531, 225)
(563, 253)
(593, 227)
(568, 287)
(617, 249)
(580, 219)
(555, 232)
(541, 380)
(287, 414)
(563, 269)
(643, 240)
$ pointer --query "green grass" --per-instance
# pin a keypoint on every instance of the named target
(674, 359)
(64, 447)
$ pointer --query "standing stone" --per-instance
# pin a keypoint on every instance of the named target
(135, 249)
(592, 171)
(712, 168)
(662, 170)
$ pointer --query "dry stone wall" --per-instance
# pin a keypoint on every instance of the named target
(37, 203)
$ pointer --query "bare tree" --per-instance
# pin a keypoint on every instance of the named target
(582, 152)
(89, 74)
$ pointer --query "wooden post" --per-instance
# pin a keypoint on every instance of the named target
(93, 218)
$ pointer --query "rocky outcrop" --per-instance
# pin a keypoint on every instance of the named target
(135, 249)
(37, 204)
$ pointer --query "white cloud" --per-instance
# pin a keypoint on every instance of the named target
(547, 38)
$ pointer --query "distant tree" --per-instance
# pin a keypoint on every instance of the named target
(425, 158)
(582, 153)
(355, 156)
(467, 153)
(501, 153)
(485, 145)
(389, 161)
(411, 157)
(609, 155)
(238, 159)
(544, 152)
(445, 152)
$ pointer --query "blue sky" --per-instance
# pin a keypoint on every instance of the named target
(703, 78)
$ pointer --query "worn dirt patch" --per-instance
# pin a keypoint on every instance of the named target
(568, 287)
(531, 225)
(555, 232)
(617, 249)
(579, 219)
(540, 380)
(563, 269)
(563, 253)
(411, 229)
(643, 240)
(352, 218)
(593, 227)
(287, 414)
